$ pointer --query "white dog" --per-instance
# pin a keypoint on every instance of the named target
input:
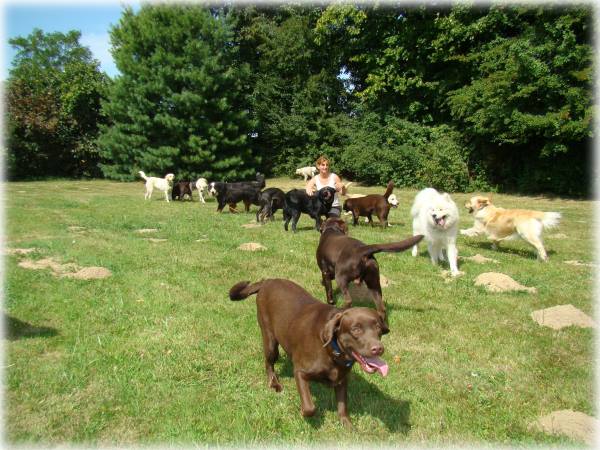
(435, 216)
(202, 186)
(162, 184)
(307, 172)
(499, 224)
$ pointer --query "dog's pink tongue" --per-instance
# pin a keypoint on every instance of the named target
(378, 364)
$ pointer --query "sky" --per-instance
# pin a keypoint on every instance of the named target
(92, 19)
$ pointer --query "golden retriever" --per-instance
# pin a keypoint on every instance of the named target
(500, 224)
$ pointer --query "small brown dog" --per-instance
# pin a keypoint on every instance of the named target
(372, 204)
(322, 341)
(346, 259)
(500, 224)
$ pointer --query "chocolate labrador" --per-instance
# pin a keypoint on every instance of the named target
(347, 259)
(322, 341)
(372, 204)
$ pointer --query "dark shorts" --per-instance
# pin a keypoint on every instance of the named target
(334, 212)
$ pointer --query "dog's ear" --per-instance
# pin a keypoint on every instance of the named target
(343, 226)
(384, 328)
(322, 226)
(332, 325)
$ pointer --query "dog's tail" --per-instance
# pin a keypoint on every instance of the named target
(244, 289)
(550, 219)
(368, 250)
(389, 189)
(143, 175)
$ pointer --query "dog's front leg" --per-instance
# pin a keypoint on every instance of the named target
(453, 258)
(307, 406)
(341, 395)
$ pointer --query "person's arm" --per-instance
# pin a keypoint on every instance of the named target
(338, 183)
(310, 186)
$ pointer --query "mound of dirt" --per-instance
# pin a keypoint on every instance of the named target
(384, 282)
(90, 273)
(252, 247)
(562, 316)
(479, 259)
(576, 425)
(499, 282)
(155, 240)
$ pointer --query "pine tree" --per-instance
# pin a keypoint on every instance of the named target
(179, 104)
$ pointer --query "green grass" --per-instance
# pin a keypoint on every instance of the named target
(158, 354)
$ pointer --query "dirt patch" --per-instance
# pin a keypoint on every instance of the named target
(252, 247)
(48, 263)
(574, 424)
(499, 282)
(580, 263)
(146, 230)
(562, 316)
(384, 281)
(252, 225)
(69, 270)
(76, 229)
(155, 240)
(556, 236)
(20, 251)
(479, 259)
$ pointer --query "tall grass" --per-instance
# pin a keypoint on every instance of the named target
(157, 354)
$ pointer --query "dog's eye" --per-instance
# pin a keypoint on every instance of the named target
(356, 330)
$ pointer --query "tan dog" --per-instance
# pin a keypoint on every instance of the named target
(162, 184)
(500, 224)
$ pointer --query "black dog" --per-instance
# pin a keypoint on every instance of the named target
(181, 189)
(298, 201)
(269, 200)
(240, 191)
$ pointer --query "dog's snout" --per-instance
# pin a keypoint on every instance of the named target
(377, 350)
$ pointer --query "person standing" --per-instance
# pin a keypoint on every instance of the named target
(326, 178)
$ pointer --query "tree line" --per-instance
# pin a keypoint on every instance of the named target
(458, 97)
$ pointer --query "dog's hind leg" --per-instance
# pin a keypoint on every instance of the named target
(326, 281)
(271, 350)
(374, 286)
(532, 235)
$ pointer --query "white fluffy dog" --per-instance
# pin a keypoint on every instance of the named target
(202, 187)
(306, 172)
(162, 184)
(435, 216)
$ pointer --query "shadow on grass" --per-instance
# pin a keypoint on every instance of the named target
(523, 252)
(395, 413)
(17, 329)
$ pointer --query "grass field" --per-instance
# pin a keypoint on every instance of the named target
(158, 354)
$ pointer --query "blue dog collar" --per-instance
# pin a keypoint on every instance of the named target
(338, 352)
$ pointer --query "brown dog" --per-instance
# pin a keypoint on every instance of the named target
(372, 204)
(322, 341)
(346, 259)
